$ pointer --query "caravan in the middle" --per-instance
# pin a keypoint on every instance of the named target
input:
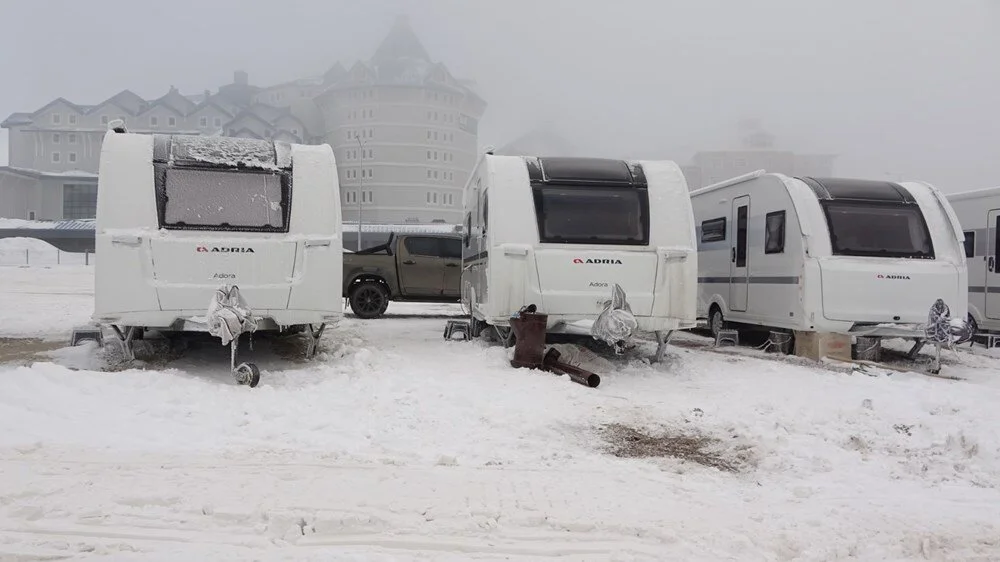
(569, 234)
(863, 258)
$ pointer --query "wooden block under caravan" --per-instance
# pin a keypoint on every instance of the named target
(817, 345)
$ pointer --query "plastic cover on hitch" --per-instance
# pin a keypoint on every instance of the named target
(229, 315)
(616, 323)
(943, 329)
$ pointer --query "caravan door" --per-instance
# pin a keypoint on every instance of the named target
(739, 272)
(992, 287)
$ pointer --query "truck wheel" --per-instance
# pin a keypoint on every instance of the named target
(369, 300)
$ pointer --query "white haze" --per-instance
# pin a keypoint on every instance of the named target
(896, 88)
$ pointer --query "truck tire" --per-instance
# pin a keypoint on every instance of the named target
(369, 300)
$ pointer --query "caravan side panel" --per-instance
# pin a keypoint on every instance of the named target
(673, 232)
(316, 220)
(511, 235)
(979, 215)
(771, 278)
(126, 218)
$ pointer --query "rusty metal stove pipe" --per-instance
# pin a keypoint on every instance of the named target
(586, 378)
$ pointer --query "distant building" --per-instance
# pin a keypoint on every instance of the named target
(539, 142)
(757, 152)
(405, 132)
(417, 126)
(714, 166)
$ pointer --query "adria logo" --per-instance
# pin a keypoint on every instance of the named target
(600, 261)
(226, 250)
(880, 276)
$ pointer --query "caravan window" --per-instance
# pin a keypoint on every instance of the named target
(592, 215)
(774, 232)
(205, 199)
(970, 243)
(713, 230)
(865, 228)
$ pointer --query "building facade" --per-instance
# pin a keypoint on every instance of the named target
(404, 131)
(757, 153)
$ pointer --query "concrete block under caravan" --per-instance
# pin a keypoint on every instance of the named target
(571, 235)
(179, 216)
(827, 255)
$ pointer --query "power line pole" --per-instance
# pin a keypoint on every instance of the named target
(361, 186)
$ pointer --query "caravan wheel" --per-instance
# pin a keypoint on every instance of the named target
(716, 322)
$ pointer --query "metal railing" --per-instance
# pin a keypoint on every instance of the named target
(47, 257)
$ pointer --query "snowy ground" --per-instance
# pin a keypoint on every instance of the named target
(394, 444)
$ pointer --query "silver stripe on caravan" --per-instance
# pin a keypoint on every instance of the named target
(981, 289)
(754, 280)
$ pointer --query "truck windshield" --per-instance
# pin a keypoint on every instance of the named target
(877, 229)
(592, 215)
(205, 199)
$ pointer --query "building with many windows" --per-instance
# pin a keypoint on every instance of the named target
(404, 130)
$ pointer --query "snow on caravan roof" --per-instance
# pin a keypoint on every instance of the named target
(230, 152)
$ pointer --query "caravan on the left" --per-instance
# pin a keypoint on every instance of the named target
(216, 234)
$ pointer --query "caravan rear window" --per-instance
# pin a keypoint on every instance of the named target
(878, 230)
(206, 199)
(592, 215)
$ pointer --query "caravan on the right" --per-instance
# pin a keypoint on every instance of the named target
(979, 213)
(839, 256)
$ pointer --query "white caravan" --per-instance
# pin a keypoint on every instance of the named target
(979, 213)
(180, 216)
(843, 256)
(561, 233)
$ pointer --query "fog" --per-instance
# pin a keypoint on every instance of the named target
(895, 88)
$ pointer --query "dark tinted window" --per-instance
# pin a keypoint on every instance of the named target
(996, 241)
(451, 248)
(224, 200)
(970, 243)
(592, 215)
(486, 211)
(713, 230)
(741, 236)
(880, 230)
(422, 246)
(774, 233)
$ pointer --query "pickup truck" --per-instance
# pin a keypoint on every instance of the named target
(409, 267)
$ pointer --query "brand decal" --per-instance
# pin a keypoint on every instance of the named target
(225, 249)
(881, 276)
(224, 276)
(598, 284)
(601, 261)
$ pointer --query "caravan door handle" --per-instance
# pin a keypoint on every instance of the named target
(991, 264)
(409, 262)
(732, 255)
(126, 240)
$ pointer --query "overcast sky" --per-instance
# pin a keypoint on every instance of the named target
(894, 87)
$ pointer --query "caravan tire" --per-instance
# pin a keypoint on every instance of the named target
(369, 300)
(716, 322)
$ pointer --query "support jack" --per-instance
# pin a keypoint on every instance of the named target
(662, 339)
(314, 335)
